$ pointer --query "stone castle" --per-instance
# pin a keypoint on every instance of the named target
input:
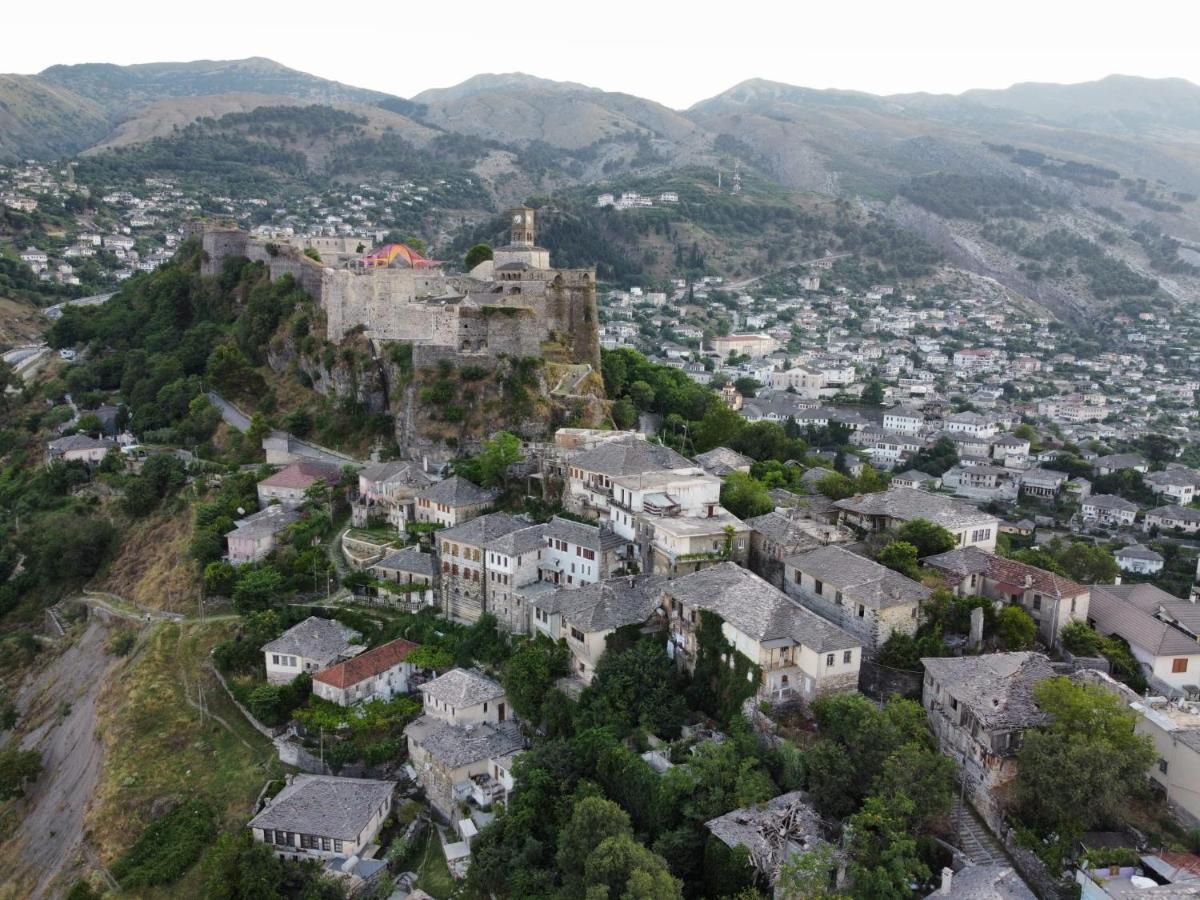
(515, 304)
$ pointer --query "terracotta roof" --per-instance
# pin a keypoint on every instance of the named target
(301, 474)
(366, 665)
(968, 560)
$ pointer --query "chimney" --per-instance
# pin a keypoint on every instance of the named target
(947, 880)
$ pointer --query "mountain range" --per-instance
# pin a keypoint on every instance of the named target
(982, 175)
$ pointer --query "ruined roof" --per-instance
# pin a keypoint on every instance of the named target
(905, 504)
(628, 456)
(996, 687)
(483, 529)
(456, 492)
(607, 605)
(756, 608)
(325, 805)
(766, 830)
(1008, 572)
(366, 665)
(316, 639)
(858, 578)
(461, 745)
(794, 532)
(462, 687)
(410, 559)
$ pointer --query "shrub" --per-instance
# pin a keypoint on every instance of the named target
(168, 847)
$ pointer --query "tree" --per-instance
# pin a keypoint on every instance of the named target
(747, 386)
(745, 496)
(239, 868)
(594, 820)
(1081, 639)
(720, 427)
(1081, 769)
(1089, 564)
(883, 851)
(622, 869)
(872, 394)
(809, 875)
(256, 589)
(900, 556)
(531, 672)
(500, 452)
(17, 767)
(428, 656)
(635, 688)
(642, 394)
(219, 578)
(929, 538)
(624, 414)
(836, 486)
(477, 254)
(1015, 628)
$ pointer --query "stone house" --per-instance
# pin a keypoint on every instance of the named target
(412, 571)
(1108, 509)
(800, 654)
(1178, 484)
(866, 599)
(895, 506)
(461, 747)
(512, 561)
(1116, 462)
(576, 553)
(1166, 518)
(462, 562)
(1139, 559)
(979, 708)
(254, 537)
(290, 484)
(776, 535)
(1052, 600)
(584, 618)
(590, 473)
(1163, 633)
(679, 545)
(323, 817)
(387, 490)
(378, 674)
(80, 448)
(309, 646)
(452, 502)
(1045, 483)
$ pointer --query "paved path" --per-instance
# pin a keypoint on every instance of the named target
(233, 416)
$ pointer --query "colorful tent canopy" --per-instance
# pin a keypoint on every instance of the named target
(400, 255)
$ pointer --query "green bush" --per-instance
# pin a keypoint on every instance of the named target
(168, 847)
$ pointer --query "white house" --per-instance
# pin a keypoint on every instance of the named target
(1108, 509)
(310, 646)
(378, 674)
(1140, 559)
(1162, 632)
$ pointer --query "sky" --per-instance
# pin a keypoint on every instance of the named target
(674, 52)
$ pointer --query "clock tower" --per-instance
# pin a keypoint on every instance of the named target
(522, 227)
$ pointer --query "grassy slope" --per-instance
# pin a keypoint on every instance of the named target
(157, 750)
(153, 568)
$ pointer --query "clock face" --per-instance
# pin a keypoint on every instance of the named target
(517, 218)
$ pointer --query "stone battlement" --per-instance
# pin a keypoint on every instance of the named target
(514, 311)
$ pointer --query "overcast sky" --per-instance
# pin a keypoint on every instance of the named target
(666, 50)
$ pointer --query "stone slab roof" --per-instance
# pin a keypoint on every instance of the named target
(595, 537)
(325, 805)
(1174, 511)
(628, 456)
(858, 578)
(316, 638)
(462, 687)
(905, 504)
(458, 493)
(271, 520)
(461, 745)
(991, 882)
(1139, 551)
(1110, 501)
(722, 461)
(398, 471)
(79, 442)
(1136, 612)
(481, 530)
(519, 542)
(794, 532)
(756, 608)
(410, 559)
(607, 605)
(996, 687)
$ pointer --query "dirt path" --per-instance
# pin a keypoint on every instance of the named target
(60, 701)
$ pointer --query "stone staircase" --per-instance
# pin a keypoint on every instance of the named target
(974, 839)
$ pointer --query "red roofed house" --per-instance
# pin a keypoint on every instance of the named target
(378, 674)
(1052, 600)
(289, 484)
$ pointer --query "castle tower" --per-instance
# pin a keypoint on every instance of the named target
(522, 227)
